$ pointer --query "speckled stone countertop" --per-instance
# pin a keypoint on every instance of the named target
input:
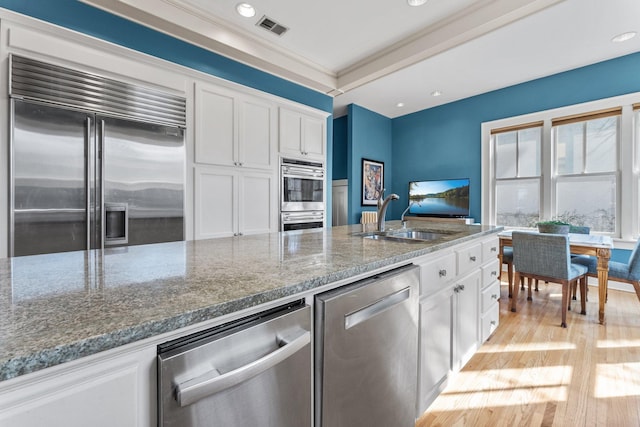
(59, 307)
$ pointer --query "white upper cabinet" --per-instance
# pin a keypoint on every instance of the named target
(233, 129)
(302, 134)
(234, 202)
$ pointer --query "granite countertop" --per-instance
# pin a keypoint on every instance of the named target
(59, 307)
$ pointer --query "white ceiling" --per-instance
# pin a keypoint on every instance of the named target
(377, 53)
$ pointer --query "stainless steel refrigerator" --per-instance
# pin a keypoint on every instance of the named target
(92, 163)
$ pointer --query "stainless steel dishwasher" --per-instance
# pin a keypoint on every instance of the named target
(366, 352)
(252, 372)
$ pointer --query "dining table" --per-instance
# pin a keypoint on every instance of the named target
(581, 244)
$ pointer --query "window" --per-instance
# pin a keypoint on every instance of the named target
(517, 171)
(579, 163)
(586, 172)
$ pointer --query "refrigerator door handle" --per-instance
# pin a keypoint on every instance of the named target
(101, 158)
(89, 170)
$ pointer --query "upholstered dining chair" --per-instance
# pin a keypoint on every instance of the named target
(575, 229)
(547, 257)
(628, 272)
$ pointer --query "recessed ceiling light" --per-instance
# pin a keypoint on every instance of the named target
(246, 10)
(436, 93)
(624, 37)
(400, 104)
(416, 2)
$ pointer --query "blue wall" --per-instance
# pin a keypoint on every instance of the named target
(444, 142)
(368, 136)
(340, 146)
(85, 19)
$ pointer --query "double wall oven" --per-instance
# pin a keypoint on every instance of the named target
(301, 194)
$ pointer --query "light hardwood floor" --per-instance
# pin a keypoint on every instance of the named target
(532, 372)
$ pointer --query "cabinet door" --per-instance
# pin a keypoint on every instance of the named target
(435, 347)
(215, 203)
(215, 127)
(467, 318)
(256, 133)
(313, 140)
(469, 258)
(290, 132)
(490, 249)
(96, 391)
(257, 208)
(437, 274)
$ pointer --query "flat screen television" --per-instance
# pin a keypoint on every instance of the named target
(445, 198)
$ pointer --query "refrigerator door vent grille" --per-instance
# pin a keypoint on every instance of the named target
(35, 80)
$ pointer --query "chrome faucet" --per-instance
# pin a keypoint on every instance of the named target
(382, 207)
(404, 223)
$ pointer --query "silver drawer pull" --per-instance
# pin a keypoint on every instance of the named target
(494, 273)
(472, 258)
(494, 296)
(493, 323)
(494, 249)
(442, 273)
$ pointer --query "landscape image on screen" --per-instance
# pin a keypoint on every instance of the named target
(446, 198)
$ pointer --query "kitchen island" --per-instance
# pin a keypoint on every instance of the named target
(60, 308)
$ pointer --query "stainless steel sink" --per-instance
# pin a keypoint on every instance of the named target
(416, 236)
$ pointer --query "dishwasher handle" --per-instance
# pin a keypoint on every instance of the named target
(364, 314)
(213, 382)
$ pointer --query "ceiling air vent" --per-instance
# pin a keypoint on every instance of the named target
(272, 26)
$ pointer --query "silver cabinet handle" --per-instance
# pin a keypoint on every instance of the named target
(494, 296)
(442, 273)
(494, 273)
(213, 382)
(493, 322)
(472, 258)
(494, 249)
(383, 303)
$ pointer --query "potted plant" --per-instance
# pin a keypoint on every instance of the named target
(554, 227)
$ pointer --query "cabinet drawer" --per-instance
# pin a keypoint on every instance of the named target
(490, 250)
(489, 296)
(490, 273)
(490, 321)
(434, 275)
(469, 258)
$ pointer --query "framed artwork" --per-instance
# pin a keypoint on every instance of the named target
(372, 181)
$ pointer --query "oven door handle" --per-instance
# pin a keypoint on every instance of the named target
(301, 218)
(213, 382)
(293, 172)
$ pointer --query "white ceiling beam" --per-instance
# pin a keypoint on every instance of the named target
(470, 23)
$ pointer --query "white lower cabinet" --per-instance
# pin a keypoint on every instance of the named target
(466, 318)
(458, 312)
(229, 202)
(435, 351)
(112, 392)
(490, 294)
